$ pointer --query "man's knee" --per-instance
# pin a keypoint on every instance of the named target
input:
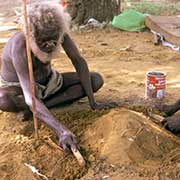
(97, 81)
(3, 96)
(7, 102)
(4, 101)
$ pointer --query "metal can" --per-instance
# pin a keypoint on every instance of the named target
(155, 84)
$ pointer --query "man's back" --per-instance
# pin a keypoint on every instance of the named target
(14, 46)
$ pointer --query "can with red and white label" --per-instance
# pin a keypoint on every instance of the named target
(155, 84)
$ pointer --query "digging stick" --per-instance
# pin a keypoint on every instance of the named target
(30, 67)
(79, 157)
(75, 152)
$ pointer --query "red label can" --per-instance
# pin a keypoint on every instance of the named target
(155, 84)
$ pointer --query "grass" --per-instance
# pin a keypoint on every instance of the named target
(153, 8)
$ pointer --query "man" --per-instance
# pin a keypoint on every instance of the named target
(48, 25)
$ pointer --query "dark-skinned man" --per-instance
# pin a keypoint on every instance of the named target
(49, 30)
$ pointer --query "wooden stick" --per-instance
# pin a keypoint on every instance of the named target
(30, 68)
(157, 117)
(75, 152)
(79, 157)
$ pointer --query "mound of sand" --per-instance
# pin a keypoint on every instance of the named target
(128, 137)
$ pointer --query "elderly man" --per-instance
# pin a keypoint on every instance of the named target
(49, 29)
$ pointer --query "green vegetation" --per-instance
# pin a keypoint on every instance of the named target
(153, 8)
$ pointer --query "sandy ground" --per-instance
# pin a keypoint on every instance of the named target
(118, 144)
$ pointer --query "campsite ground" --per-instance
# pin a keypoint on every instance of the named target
(118, 144)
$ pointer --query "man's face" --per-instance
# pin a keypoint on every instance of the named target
(47, 40)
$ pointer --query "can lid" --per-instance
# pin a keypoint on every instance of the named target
(155, 73)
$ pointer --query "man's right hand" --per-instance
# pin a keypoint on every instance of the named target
(68, 141)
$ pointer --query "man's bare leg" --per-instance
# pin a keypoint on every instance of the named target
(72, 89)
(12, 100)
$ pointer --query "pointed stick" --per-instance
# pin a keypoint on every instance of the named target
(75, 152)
(79, 157)
(30, 67)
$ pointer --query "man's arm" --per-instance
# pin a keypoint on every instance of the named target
(82, 69)
(80, 66)
(21, 66)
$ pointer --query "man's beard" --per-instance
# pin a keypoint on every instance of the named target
(45, 57)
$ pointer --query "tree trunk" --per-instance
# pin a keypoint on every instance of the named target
(101, 10)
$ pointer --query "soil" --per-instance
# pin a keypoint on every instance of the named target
(123, 143)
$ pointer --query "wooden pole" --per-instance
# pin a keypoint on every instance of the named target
(30, 68)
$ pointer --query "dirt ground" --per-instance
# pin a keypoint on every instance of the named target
(117, 144)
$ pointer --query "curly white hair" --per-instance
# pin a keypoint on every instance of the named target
(46, 14)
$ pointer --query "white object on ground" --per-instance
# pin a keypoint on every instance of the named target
(35, 171)
(93, 23)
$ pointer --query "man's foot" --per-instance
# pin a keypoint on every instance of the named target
(25, 115)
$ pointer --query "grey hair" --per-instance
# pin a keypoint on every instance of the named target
(46, 13)
(36, 11)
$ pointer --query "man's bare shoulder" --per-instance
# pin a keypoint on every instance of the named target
(17, 35)
(15, 44)
(18, 39)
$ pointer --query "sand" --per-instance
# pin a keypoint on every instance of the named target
(117, 144)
